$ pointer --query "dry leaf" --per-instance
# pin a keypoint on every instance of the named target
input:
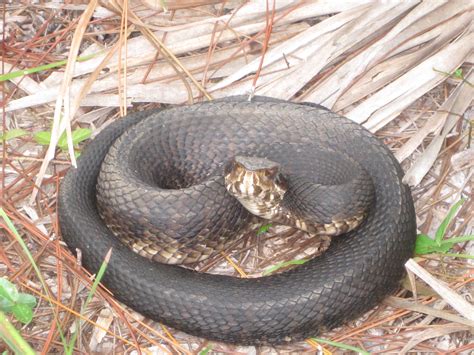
(445, 292)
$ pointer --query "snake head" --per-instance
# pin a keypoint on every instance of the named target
(256, 182)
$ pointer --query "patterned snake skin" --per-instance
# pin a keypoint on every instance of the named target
(351, 277)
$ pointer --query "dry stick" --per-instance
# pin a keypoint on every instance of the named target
(4, 114)
(214, 43)
(32, 262)
(40, 59)
(3, 255)
(150, 67)
(435, 196)
(451, 297)
(170, 342)
(465, 217)
(33, 159)
(445, 169)
(59, 276)
(433, 124)
(112, 302)
(93, 76)
(4, 141)
(397, 302)
(319, 347)
(152, 38)
(394, 316)
(26, 178)
(77, 314)
(432, 332)
(212, 46)
(168, 333)
(250, 38)
(234, 265)
(173, 60)
(59, 124)
(25, 266)
(123, 35)
(29, 227)
(106, 294)
(268, 33)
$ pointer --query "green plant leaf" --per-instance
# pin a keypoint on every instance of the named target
(26, 299)
(78, 135)
(341, 345)
(458, 73)
(284, 264)
(440, 232)
(426, 245)
(206, 350)
(13, 133)
(6, 305)
(62, 142)
(22, 312)
(264, 229)
(8, 290)
(19, 304)
(42, 137)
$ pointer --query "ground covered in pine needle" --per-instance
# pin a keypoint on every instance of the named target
(403, 69)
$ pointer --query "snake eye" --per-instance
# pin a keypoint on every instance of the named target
(272, 172)
(230, 166)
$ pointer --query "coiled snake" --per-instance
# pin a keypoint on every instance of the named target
(186, 151)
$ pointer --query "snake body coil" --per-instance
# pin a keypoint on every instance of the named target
(352, 276)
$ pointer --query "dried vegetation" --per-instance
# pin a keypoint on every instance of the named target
(402, 69)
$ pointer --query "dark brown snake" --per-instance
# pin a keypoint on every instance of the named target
(180, 155)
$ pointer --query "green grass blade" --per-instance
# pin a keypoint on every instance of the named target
(19, 73)
(341, 345)
(440, 232)
(13, 338)
(462, 256)
(264, 229)
(13, 133)
(69, 350)
(460, 239)
(284, 264)
(206, 350)
(20, 241)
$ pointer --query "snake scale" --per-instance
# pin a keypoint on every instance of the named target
(360, 267)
